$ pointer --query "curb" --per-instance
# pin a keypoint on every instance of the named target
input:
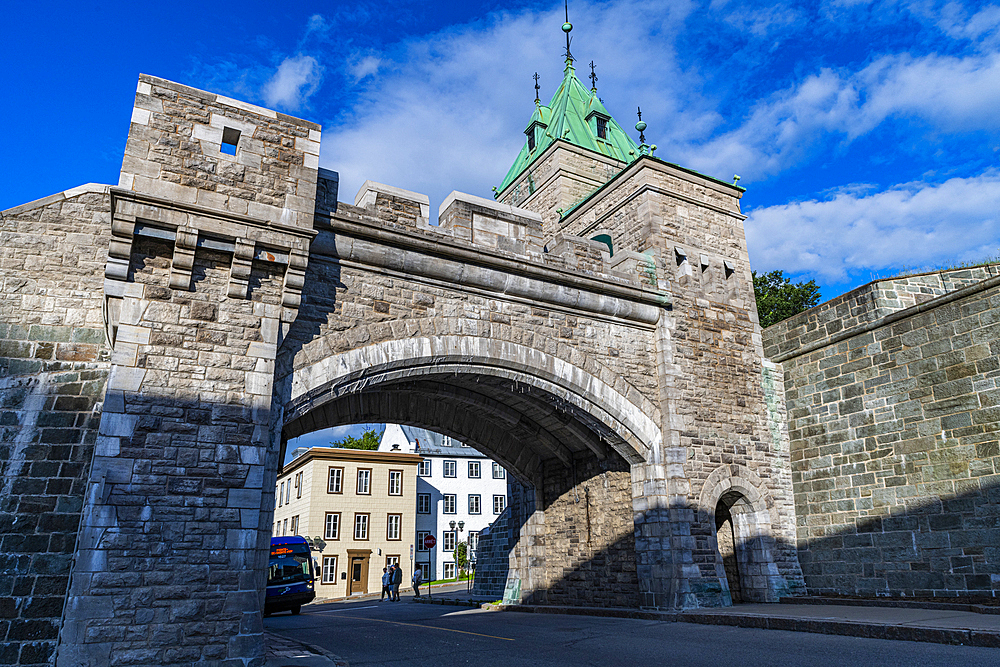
(897, 603)
(890, 631)
(456, 602)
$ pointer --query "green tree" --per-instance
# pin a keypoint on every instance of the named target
(369, 440)
(778, 298)
(461, 556)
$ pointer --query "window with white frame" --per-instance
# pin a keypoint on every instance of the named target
(284, 527)
(335, 483)
(473, 540)
(473, 469)
(421, 534)
(498, 471)
(424, 469)
(450, 469)
(329, 569)
(281, 494)
(423, 503)
(475, 503)
(391, 560)
(499, 504)
(393, 523)
(361, 526)
(295, 525)
(448, 540)
(395, 482)
(364, 482)
(288, 491)
(449, 570)
(298, 485)
(449, 503)
(332, 526)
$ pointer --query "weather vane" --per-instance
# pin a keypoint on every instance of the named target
(537, 88)
(593, 77)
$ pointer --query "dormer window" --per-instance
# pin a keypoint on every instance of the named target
(602, 128)
(531, 141)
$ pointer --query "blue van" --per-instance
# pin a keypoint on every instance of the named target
(290, 575)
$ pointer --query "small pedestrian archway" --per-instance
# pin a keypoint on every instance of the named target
(743, 530)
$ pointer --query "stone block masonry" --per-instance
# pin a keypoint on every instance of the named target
(163, 339)
(893, 428)
(54, 363)
(204, 271)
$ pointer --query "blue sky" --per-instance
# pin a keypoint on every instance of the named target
(867, 134)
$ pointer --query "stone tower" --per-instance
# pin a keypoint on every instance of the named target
(211, 224)
(719, 498)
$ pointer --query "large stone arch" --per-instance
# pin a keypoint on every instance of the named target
(558, 428)
(625, 420)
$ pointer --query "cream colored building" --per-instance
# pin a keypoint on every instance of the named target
(360, 503)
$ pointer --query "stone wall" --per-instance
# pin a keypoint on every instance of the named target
(54, 364)
(589, 535)
(893, 432)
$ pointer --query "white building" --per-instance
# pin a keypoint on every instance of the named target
(459, 492)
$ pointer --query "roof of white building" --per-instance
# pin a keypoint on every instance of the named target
(421, 441)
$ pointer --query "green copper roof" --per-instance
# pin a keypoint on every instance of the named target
(566, 117)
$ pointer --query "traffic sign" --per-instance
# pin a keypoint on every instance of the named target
(430, 541)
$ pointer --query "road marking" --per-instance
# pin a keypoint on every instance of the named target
(337, 611)
(431, 627)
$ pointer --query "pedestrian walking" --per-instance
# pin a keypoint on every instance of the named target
(386, 584)
(418, 578)
(397, 579)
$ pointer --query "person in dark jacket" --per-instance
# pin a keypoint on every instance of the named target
(397, 579)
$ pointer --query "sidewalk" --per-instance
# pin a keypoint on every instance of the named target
(941, 626)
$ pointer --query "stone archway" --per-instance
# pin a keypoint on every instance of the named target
(567, 436)
(511, 383)
(734, 503)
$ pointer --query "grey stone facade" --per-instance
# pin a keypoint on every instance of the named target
(892, 402)
(161, 340)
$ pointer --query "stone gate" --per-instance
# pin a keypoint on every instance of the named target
(593, 328)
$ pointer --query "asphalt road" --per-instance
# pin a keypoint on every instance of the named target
(370, 633)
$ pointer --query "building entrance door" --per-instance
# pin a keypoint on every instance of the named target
(358, 571)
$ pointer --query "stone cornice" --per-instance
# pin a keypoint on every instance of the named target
(643, 162)
(442, 259)
(200, 211)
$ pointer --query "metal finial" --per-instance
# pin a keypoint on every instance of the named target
(593, 77)
(537, 88)
(567, 27)
(736, 179)
(641, 127)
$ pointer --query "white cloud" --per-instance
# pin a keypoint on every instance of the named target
(447, 111)
(296, 79)
(950, 93)
(915, 224)
(364, 66)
